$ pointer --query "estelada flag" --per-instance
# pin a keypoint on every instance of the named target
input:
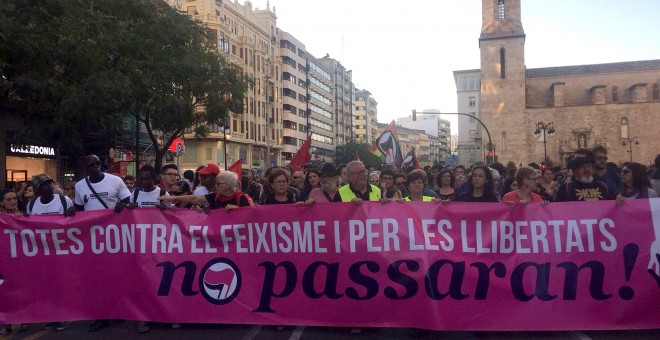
(237, 168)
(302, 156)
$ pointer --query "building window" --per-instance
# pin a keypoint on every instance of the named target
(615, 93)
(503, 141)
(209, 154)
(502, 63)
(192, 10)
(656, 91)
(500, 10)
(624, 128)
(473, 101)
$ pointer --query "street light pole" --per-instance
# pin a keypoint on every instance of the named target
(629, 141)
(546, 127)
(491, 147)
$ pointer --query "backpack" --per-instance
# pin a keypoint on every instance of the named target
(62, 201)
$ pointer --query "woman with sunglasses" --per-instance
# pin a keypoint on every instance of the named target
(634, 184)
(180, 188)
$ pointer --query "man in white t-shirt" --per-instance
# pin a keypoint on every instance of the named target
(46, 202)
(147, 195)
(109, 191)
(207, 177)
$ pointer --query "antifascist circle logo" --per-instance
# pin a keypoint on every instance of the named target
(220, 281)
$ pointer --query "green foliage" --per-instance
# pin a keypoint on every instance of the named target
(82, 66)
(346, 153)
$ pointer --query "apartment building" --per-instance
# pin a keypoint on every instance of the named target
(247, 38)
(366, 116)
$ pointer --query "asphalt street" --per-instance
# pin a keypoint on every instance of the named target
(126, 330)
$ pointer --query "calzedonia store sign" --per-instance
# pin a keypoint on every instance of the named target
(31, 151)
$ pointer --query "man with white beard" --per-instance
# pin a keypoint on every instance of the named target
(583, 187)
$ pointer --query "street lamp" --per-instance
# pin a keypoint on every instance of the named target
(546, 128)
(629, 141)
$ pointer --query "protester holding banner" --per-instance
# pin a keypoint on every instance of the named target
(634, 184)
(100, 190)
(526, 179)
(278, 182)
(584, 186)
(358, 189)
(416, 181)
(226, 195)
(480, 186)
(147, 195)
(327, 193)
(207, 176)
(45, 202)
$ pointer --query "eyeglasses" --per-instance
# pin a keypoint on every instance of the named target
(359, 172)
(625, 171)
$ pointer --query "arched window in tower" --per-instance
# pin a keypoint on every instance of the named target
(502, 62)
(624, 128)
(656, 91)
(503, 141)
(500, 10)
(615, 93)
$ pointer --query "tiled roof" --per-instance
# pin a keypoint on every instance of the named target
(627, 66)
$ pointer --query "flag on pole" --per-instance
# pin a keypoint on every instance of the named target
(357, 157)
(387, 148)
(302, 156)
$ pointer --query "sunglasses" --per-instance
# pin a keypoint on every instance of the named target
(625, 171)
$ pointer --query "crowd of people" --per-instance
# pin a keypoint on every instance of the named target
(587, 176)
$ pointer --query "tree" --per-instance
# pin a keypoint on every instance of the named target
(82, 66)
(346, 153)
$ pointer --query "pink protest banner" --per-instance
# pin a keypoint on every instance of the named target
(445, 267)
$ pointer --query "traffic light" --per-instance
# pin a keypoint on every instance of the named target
(489, 158)
(414, 114)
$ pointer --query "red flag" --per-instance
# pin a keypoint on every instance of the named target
(357, 157)
(238, 169)
(302, 156)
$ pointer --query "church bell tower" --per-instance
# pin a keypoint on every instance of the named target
(502, 93)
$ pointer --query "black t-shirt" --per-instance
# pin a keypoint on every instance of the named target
(485, 198)
(290, 198)
(578, 191)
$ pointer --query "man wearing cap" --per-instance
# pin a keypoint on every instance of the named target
(358, 188)
(328, 192)
(584, 186)
(45, 202)
(207, 177)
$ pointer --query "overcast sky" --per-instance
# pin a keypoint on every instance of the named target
(404, 52)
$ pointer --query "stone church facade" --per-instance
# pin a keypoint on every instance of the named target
(614, 105)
